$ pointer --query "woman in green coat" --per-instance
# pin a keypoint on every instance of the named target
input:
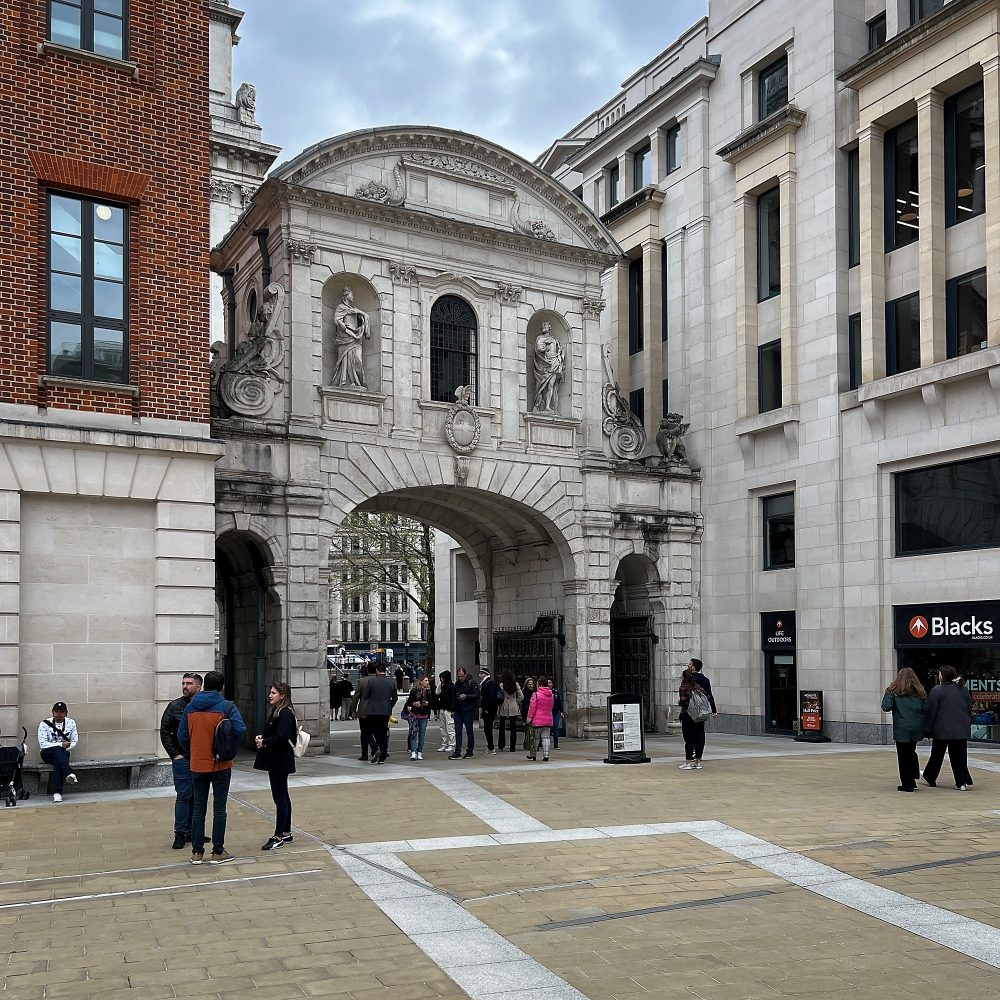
(906, 698)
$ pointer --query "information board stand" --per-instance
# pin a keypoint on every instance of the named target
(811, 718)
(626, 738)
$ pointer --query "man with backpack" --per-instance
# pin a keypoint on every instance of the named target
(210, 732)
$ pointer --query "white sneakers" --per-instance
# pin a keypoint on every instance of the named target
(413, 755)
(420, 756)
(57, 797)
(416, 755)
(690, 765)
(71, 778)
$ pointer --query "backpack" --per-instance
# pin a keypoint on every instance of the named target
(501, 694)
(224, 741)
(301, 744)
(699, 708)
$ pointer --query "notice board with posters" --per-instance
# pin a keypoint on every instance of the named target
(626, 736)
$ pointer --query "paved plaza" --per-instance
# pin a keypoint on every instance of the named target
(781, 870)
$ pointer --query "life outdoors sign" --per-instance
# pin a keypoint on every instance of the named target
(960, 624)
(777, 631)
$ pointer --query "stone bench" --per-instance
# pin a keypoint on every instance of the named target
(102, 773)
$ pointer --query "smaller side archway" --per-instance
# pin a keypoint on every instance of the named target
(633, 632)
(366, 299)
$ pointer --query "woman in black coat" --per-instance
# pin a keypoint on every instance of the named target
(948, 721)
(276, 755)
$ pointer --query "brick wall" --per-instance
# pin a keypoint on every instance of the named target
(79, 125)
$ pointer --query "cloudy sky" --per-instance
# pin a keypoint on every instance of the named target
(520, 72)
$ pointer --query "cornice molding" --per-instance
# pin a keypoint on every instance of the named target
(784, 122)
(650, 193)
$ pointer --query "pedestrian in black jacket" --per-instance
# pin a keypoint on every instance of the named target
(490, 700)
(948, 721)
(466, 701)
(379, 699)
(694, 732)
(179, 760)
(444, 705)
(276, 755)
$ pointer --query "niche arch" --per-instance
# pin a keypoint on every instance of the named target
(560, 329)
(366, 298)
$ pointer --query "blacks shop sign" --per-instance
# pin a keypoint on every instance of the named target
(966, 623)
(777, 631)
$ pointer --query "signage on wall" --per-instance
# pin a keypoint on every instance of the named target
(961, 624)
(777, 631)
(811, 718)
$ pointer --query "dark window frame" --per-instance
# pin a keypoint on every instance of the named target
(854, 350)
(854, 208)
(892, 334)
(664, 397)
(773, 289)
(765, 404)
(642, 156)
(918, 13)
(664, 314)
(87, 13)
(899, 481)
(910, 226)
(614, 186)
(637, 404)
(764, 108)
(876, 32)
(951, 310)
(87, 319)
(768, 518)
(952, 215)
(452, 354)
(636, 291)
(673, 148)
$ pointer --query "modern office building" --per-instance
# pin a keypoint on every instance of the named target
(808, 200)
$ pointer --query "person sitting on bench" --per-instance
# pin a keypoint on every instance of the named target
(56, 738)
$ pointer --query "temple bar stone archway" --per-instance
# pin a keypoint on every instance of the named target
(429, 339)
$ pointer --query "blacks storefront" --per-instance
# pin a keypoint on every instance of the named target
(963, 635)
(777, 641)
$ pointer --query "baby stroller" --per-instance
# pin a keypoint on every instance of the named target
(11, 761)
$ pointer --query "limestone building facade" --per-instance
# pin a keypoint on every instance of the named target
(106, 459)
(808, 199)
(423, 332)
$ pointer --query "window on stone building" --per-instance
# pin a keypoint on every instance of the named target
(345, 631)
(876, 32)
(423, 631)
(345, 603)
(383, 626)
(854, 350)
(578, 192)
(769, 376)
(642, 167)
(663, 293)
(356, 604)
(87, 304)
(637, 404)
(965, 298)
(404, 631)
(94, 25)
(902, 334)
(772, 87)
(365, 631)
(635, 339)
(919, 9)
(854, 206)
(902, 187)
(393, 631)
(356, 631)
(953, 506)
(393, 603)
(664, 398)
(404, 574)
(673, 148)
(454, 334)
(965, 155)
(613, 186)
(779, 531)
(769, 244)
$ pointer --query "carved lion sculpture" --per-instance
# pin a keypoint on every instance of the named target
(668, 439)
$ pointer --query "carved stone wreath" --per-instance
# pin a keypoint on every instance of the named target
(462, 426)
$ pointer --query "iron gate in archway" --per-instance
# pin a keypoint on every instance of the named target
(632, 640)
(531, 651)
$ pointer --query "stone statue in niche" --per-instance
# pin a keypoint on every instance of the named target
(351, 328)
(550, 365)
(246, 104)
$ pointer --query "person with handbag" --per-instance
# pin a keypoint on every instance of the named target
(906, 698)
(697, 706)
(510, 710)
(540, 719)
(417, 711)
(276, 755)
(949, 724)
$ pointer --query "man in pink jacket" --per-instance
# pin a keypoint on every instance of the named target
(540, 718)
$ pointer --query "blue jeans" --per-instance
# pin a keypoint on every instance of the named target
(419, 731)
(556, 719)
(185, 796)
(59, 759)
(218, 781)
(463, 720)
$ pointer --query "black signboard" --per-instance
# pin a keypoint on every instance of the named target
(626, 735)
(777, 631)
(811, 717)
(968, 623)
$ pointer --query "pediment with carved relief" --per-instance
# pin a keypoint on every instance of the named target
(450, 176)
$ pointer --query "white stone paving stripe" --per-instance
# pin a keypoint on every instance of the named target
(454, 939)
(491, 809)
(933, 923)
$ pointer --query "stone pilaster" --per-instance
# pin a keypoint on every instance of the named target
(405, 310)
(300, 343)
(619, 322)
(652, 311)
(931, 256)
(871, 158)
(746, 303)
(789, 291)
(991, 90)
(484, 608)
(10, 577)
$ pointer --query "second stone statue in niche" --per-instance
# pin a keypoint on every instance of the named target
(550, 366)
(350, 329)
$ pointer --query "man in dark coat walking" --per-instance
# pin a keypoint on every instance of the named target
(379, 698)
(179, 759)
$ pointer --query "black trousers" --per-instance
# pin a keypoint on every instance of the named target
(694, 737)
(489, 718)
(957, 755)
(504, 722)
(909, 765)
(379, 729)
(368, 741)
(282, 802)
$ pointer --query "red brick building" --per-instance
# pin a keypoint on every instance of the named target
(106, 467)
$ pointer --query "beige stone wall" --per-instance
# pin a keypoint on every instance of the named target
(88, 575)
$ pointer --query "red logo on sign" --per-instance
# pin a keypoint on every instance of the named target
(918, 626)
(779, 625)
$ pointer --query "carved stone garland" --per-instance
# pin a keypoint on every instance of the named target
(626, 435)
(462, 429)
(245, 383)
